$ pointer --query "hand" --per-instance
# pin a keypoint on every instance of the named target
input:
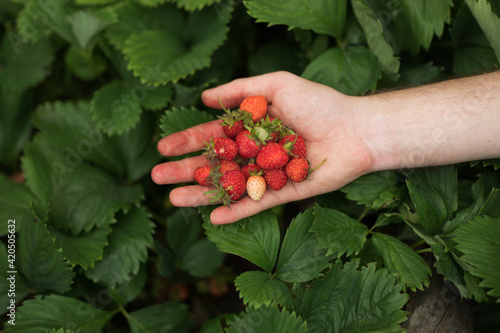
(320, 114)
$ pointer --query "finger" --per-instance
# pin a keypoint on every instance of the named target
(190, 196)
(231, 94)
(177, 171)
(241, 209)
(190, 140)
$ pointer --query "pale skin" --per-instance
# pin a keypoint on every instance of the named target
(443, 123)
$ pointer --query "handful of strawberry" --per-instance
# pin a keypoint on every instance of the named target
(258, 152)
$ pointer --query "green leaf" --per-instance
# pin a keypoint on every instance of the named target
(179, 119)
(492, 162)
(40, 314)
(483, 190)
(168, 317)
(375, 190)
(373, 31)
(127, 249)
(126, 293)
(156, 98)
(202, 258)
(418, 21)
(84, 65)
(38, 164)
(24, 64)
(255, 239)
(214, 325)
(488, 21)
(275, 56)
(479, 241)
(15, 203)
(166, 263)
(40, 18)
(14, 129)
(339, 303)
(191, 5)
(322, 16)
(69, 127)
(300, 259)
(267, 319)
(135, 148)
(88, 198)
(492, 205)
(41, 261)
(175, 56)
(183, 229)
(258, 288)
(338, 232)
(473, 59)
(451, 270)
(116, 107)
(409, 267)
(133, 18)
(434, 192)
(353, 70)
(95, 2)
(85, 248)
(21, 289)
(87, 24)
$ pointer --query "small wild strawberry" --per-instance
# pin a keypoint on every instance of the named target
(232, 129)
(233, 182)
(256, 186)
(202, 175)
(256, 105)
(276, 179)
(234, 121)
(226, 148)
(272, 156)
(225, 166)
(247, 146)
(250, 169)
(297, 169)
(294, 144)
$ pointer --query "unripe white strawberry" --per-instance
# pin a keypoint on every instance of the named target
(256, 186)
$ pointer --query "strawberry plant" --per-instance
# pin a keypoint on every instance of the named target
(89, 243)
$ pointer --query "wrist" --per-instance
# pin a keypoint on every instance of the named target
(372, 126)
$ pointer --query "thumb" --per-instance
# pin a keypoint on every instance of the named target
(231, 94)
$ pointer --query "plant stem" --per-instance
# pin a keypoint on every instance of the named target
(420, 242)
(123, 311)
(363, 214)
(428, 249)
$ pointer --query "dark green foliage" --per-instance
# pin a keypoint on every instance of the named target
(88, 87)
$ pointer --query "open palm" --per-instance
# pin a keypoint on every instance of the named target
(318, 113)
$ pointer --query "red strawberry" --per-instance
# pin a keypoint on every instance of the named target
(276, 179)
(294, 144)
(233, 183)
(256, 186)
(256, 105)
(250, 169)
(226, 148)
(234, 121)
(226, 166)
(232, 129)
(202, 175)
(297, 169)
(247, 146)
(272, 156)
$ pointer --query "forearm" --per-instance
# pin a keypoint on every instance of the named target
(443, 123)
